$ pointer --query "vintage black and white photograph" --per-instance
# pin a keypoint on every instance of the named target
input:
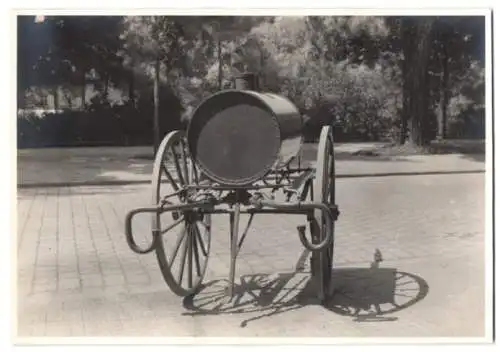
(265, 175)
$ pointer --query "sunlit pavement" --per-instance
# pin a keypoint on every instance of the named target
(77, 277)
(100, 166)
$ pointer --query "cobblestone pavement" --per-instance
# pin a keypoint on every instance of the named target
(76, 275)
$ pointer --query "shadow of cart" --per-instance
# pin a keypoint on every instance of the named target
(365, 294)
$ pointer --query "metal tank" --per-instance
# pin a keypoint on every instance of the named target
(237, 136)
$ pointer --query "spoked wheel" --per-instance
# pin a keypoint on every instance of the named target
(323, 191)
(183, 241)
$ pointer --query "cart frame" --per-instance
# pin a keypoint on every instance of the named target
(194, 198)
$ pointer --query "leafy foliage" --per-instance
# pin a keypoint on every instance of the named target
(360, 74)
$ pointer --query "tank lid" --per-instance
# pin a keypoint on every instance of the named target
(247, 81)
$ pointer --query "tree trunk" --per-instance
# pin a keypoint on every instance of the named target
(219, 58)
(405, 74)
(156, 97)
(131, 88)
(84, 89)
(262, 74)
(106, 86)
(445, 96)
(419, 89)
(68, 99)
(56, 98)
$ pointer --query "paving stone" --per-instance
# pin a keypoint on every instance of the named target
(77, 276)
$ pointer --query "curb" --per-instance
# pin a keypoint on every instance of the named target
(413, 173)
(145, 182)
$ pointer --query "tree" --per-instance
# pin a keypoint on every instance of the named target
(363, 74)
(41, 62)
(69, 47)
(155, 43)
(416, 83)
(212, 55)
(457, 46)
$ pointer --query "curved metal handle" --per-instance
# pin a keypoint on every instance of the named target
(130, 237)
(302, 233)
(156, 232)
(313, 247)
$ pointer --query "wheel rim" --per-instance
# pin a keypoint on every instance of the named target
(182, 251)
(324, 191)
(384, 291)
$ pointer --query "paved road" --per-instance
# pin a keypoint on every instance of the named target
(76, 275)
(121, 165)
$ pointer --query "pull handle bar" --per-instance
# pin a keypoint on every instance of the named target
(156, 232)
(308, 206)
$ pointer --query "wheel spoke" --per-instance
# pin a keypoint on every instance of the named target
(170, 227)
(183, 262)
(205, 226)
(202, 243)
(185, 162)
(177, 166)
(399, 276)
(169, 176)
(178, 245)
(195, 251)
(408, 289)
(405, 283)
(190, 257)
(194, 170)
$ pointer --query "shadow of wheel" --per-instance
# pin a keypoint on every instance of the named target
(255, 293)
(368, 294)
